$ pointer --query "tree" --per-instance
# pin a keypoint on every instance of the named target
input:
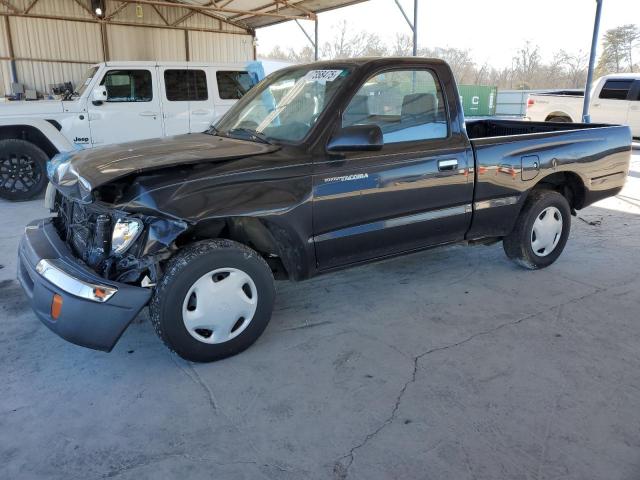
(526, 62)
(347, 45)
(528, 70)
(618, 46)
(630, 35)
(402, 46)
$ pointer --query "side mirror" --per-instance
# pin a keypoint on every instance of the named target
(99, 95)
(356, 138)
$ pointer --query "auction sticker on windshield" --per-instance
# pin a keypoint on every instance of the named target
(326, 75)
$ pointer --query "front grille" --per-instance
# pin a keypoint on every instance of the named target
(76, 224)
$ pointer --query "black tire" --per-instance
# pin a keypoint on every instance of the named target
(518, 244)
(23, 169)
(186, 268)
(559, 119)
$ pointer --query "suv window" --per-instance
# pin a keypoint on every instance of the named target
(233, 85)
(185, 85)
(406, 104)
(128, 85)
(616, 89)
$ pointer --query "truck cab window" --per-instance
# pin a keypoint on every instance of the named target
(616, 89)
(185, 85)
(128, 85)
(233, 85)
(406, 104)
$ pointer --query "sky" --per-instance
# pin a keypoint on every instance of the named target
(491, 29)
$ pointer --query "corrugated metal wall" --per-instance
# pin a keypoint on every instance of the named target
(61, 50)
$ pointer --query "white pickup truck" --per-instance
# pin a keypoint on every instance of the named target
(614, 99)
(115, 102)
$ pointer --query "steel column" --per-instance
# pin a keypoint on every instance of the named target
(12, 57)
(586, 117)
(412, 25)
(315, 41)
(415, 28)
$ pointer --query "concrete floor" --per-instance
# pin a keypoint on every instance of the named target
(448, 364)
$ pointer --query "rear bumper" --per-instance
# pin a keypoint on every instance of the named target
(95, 312)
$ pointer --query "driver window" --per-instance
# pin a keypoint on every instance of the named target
(128, 86)
(407, 105)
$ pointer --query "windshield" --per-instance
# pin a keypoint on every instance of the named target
(284, 106)
(86, 80)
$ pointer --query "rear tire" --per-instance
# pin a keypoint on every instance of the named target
(214, 300)
(541, 230)
(559, 119)
(23, 169)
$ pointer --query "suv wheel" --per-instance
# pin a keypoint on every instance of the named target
(214, 300)
(541, 230)
(23, 169)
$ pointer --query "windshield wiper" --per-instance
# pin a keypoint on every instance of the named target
(253, 134)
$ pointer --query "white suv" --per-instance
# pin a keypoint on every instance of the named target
(115, 102)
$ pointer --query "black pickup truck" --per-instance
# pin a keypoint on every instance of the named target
(319, 167)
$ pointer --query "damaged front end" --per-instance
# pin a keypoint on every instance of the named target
(118, 245)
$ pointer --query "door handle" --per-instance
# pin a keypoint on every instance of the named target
(595, 105)
(148, 114)
(634, 107)
(446, 165)
(200, 112)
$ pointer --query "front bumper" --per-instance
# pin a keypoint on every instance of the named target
(95, 311)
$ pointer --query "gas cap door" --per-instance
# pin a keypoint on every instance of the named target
(530, 167)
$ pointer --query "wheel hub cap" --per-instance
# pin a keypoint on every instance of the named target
(546, 232)
(220, 305)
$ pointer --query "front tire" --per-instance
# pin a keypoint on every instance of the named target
(214, 301)
(23, 169)
(541, 230)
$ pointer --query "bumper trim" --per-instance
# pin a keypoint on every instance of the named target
(52, 271)
(83, 321)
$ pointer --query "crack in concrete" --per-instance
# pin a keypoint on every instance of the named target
(306, 325)
(195, 378)
(341, 471)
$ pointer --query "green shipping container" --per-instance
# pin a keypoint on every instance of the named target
(478, 100)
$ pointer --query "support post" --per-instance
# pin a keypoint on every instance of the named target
(105, 41)
(412, 25)
(12, 57)
(315, 41)
(187, 49)
(415, 28)
(586, 117)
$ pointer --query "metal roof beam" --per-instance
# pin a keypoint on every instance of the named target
(213, 9)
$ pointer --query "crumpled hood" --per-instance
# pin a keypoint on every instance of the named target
(80, 172)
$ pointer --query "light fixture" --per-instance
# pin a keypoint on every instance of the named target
(98, 7)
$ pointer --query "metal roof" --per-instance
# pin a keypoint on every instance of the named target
(252, 14)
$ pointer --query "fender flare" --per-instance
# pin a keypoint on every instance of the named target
(50, 132)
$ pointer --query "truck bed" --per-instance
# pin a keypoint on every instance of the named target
(512, 156)
(478, 129)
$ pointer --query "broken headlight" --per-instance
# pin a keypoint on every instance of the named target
(125, 233)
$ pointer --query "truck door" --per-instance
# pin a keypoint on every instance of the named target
(201, 101)
(415, 192)
(175, 99)
(132, 109)
(611, 104)
(634, 109)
